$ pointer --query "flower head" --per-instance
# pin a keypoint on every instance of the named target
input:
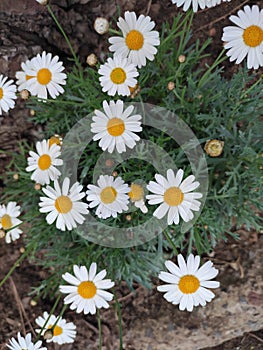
(246, 38)
(44, 162)
(87, 289)
(8, 219)
(22, 77)
(43, 75)
(117, 74)
(25, 343)
(115, 127)
(175, 196)
(64, 205)
(214, 148)
(110, 196)
(63, 332)
(195, 3)
(188, 283)
(136, 195)
(7, 94)
(138, 41)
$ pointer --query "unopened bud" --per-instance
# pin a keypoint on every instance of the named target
(48, 334)
(15, 176)
(92, 60)
(128, 217)
(37, 187)
(170, 85)
(214, 147)
(101, 25)
(181, 58)
(109, 163)
(2, 233)
(24, 94)
(32, 112)
(33, 302)
(114, 173)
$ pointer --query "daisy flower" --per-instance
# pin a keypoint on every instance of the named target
(63, 332)
(115, 127)
(188, 3)
(25, 343)
(87, 289)
(45, 75)
(138, 41)
(117, 74)
(8, 219)
(110, 196)
(7, 94)
(64, 205)
(175, 196)
(136, 195)
(246, 38)
(22, 77)
(44, 162)
(188, 283)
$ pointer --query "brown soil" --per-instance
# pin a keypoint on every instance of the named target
(234, 319)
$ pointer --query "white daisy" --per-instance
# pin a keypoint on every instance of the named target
(45, 75)
(188, 283)
(7, 94)
(8, 219)
(25, 343)
(63, 332)
(86, 292)
(115, 127)
(64, 205)
(22, 77)
(188, 3)
(245, 39)
(110, 196)
(44, 162)
(138, 41)
(117, 74)
(175, 196)
(136, 195)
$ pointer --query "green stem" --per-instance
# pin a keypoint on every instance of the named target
(51, 313)
(16, 264)
(118, 308)
(60, 315)
(113, 31)
(171, 242)
(64, 35)
(100, 331)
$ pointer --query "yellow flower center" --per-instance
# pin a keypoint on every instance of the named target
(44, 76)
(6, 222)
(54, 139)
(136, 192)
(63, 204)
(56, 331)
(173, 196)
(87, 289)
(44, 162)
(118, 75)
(115, 126)
(1, 93)
(108, 195)
(188, 284)
(134, 40)
(253, 36)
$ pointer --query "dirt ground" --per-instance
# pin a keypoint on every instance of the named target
(234, 319)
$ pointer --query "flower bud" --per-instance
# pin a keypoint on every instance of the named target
(101, 25)
(214, 147)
